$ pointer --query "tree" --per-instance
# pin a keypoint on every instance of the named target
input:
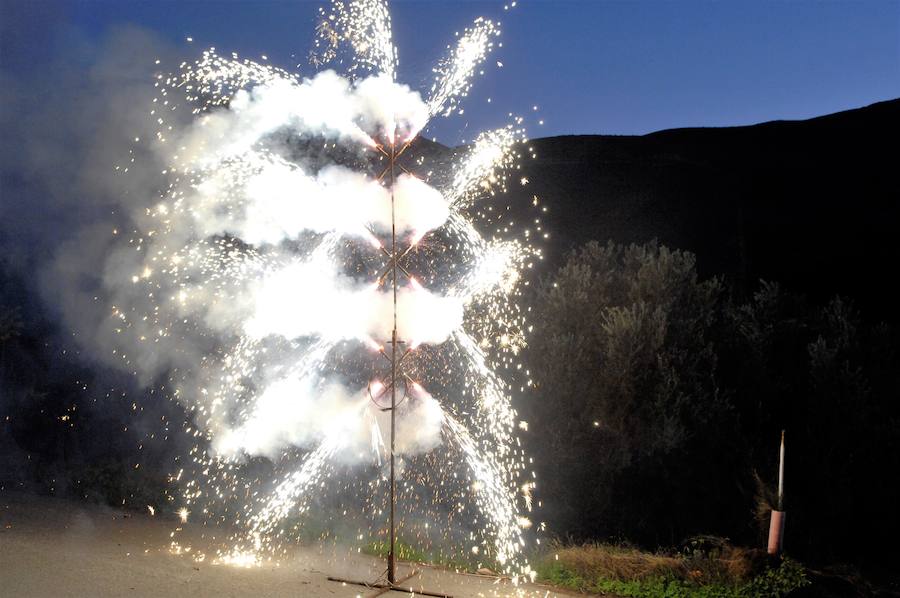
(627, 419)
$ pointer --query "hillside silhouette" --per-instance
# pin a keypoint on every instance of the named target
(810, 204)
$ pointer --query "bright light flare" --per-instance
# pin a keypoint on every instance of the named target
(260, 245)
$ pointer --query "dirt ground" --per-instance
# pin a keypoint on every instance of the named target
(55, 548)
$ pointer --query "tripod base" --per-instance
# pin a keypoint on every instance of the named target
(383, 587)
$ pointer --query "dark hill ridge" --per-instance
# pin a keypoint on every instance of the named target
(811, 204)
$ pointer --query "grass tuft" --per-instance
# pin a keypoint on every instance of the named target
(408, 552)
(706, 569)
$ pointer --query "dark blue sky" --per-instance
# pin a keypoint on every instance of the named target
(592, 66)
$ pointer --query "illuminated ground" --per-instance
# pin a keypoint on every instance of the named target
(51, 547)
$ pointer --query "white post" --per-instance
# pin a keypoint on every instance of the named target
(776, 523)
(781, 475)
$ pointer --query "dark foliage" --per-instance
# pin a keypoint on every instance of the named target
(811, 204)
(658, 399)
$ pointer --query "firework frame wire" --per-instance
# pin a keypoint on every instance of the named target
(383, 587)
(391, 583)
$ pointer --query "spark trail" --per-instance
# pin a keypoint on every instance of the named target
(257, 282)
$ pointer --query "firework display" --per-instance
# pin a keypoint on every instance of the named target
(305, 244)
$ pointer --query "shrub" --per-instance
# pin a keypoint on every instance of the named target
(731, 573)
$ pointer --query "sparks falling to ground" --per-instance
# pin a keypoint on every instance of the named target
(258, 282)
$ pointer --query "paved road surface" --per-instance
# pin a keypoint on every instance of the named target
(55, 548)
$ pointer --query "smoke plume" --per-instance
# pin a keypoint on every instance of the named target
(91, 175)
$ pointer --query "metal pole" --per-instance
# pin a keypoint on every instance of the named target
(392, 582)
(390, 572)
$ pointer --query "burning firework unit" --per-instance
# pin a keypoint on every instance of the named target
(377, 389)
(269, 207)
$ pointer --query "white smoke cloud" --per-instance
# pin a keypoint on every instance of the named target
(308, 299)
(300, 412)
(384, 106)
(241, 187)
(419, 207)
(113, 274)
(319, 106)
(423, 317)
(280, 201)
(419, 423)
(326, 105)
(293, 412)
